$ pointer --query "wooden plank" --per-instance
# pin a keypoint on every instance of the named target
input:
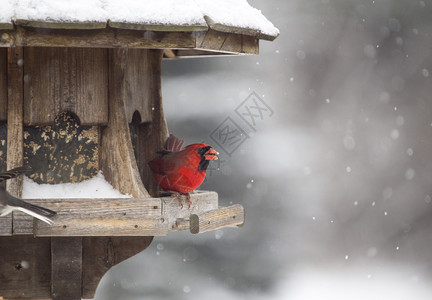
(102, 253)
(173, 212)
(232, 43)
(3, 84)
(230, 216)
(212, 40)
(99, 38)
(69, 210)
(229, 43)
(15, 144)
(96, 217)
(157, 27)
(6, 26)
(66, 267)
(14, 128)
(117, 159)
(25, 267)
(138, 87)
(250, 45)
(60, 25)
(152, 136)
(5, 222)
(115, 217)
(65, 79)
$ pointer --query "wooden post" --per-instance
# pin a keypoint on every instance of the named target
(3, 84)
(15, 144)
(118, 161)
(152, 135)
(66, 268)
(14, 127)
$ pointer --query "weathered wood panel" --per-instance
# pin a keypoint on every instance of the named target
(65, 79)
(98, 38)
(6, 25)
(25, 267)
(114, 217)
(14, 127)
(211, 39)
(138, 84)
(96, 217)
(218, 41)
(102, 253)
(158, 27)
(3, 148)
(15, 118)
(173, 210)
(250, 45)
(233, 43)
(151, 136)
(117, 159)
(231, 216)
(3, 84)
(60, 25)
(66, 265)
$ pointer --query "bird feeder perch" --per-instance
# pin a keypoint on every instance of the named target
(79, 96)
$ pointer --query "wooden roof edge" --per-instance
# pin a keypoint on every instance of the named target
(6, 26)
(211, 41)
(239, 30)
(210, 23)
(60, 25)
(157, 27)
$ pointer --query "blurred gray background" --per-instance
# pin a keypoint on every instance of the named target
(336, 184)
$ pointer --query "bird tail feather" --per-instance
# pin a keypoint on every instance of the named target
(173, 143)
(14, 173)
(36, 209)
(36, 215)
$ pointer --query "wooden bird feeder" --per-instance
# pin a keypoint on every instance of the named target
(79, 96)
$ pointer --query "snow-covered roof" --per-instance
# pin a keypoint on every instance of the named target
(233, 16)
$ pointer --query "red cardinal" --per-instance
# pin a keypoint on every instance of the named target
(182, 170)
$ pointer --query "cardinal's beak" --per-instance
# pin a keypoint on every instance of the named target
(211, 154)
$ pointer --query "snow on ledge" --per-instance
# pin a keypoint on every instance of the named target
(60, 10)
(96, 187)
(165, 12)
(237, 13)
(231, 13)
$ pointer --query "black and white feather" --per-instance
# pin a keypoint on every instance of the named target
(8, 203)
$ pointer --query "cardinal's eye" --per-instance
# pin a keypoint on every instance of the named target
(203, 150)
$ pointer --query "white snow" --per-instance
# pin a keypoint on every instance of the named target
(6, 11)
(96, 187)
(61, 10)
(172, 12)
(235, 13)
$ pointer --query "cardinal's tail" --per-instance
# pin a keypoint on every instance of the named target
(173, 144)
